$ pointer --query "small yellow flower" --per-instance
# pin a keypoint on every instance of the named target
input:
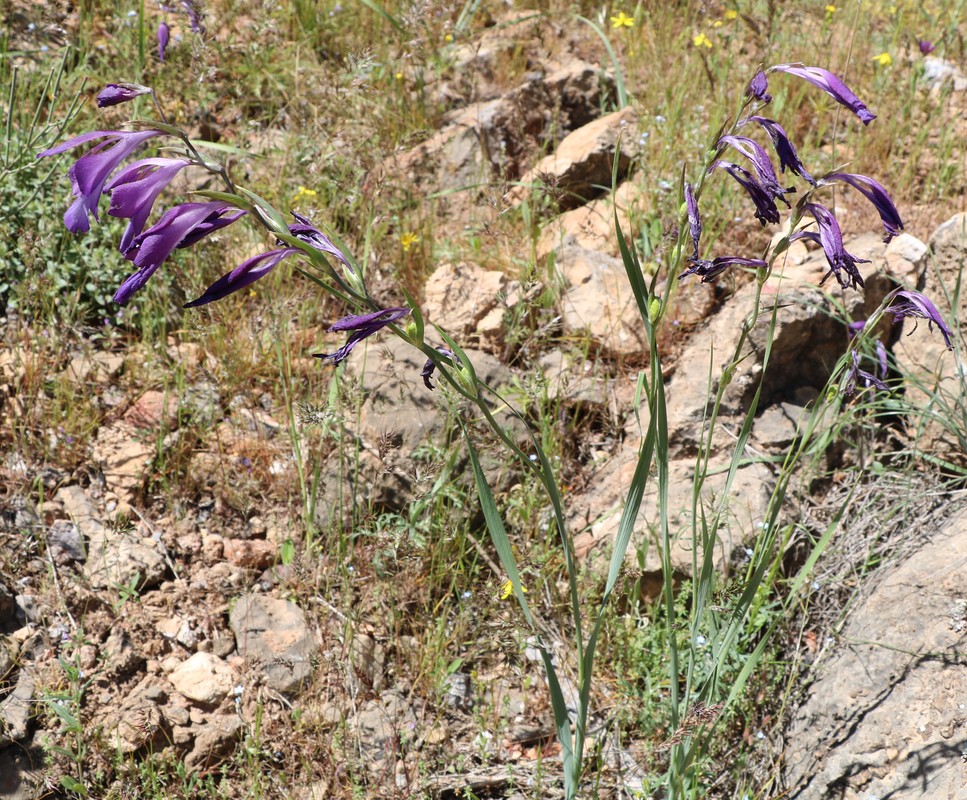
(830, 9)
(399, 76)
(622, 20)
(304, 193)
(507, 589)
(448, 38)
(731, 14)
(702, 41)
(408, 240)
(718, 23)
(883, 60)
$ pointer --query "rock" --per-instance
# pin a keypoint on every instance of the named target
(599, 305)
(459, 297)
(98, 368)
(121, 658)
(250, 553)
(379, 725)
(213, 741)
(15, 709)
(591, 226)
(273, 636)
(203, 678)
(884, 715)
(938, 71)
(21, 774)
(368, 658)
(65, 543)
(580, 169)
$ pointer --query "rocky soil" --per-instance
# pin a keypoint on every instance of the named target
(185, 634)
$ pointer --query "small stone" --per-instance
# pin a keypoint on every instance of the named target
(204, 678)
(65, 543)
(273, 634)
(249, 553)
(213, 741)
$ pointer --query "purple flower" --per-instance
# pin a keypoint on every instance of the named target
(134, 190)
(856, 375)
(926, 47)
(830, 237)
(180, 226)
(115, 93)
(429, 367)
(710, 270)
(758, 88)
(164, 36)
(766, 173)
(362, 327)
(854, 329)
(765, 207)
(90, 172)
(694, 219)
(913, 304)
(877, 195)
(784, 149)
(833, 86)
(262, 264)
(194, 17)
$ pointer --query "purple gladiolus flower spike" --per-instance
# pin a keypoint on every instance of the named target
(833, 86)
(134, 190)
(180, 226)
(766, 173)
(758, 87)
(856, 375)
(362, 327)
(694, 218)
(164, 36)
(115, 93)
(830, 237)
(429, 367)
(262, 264)
(708, 271)
(913, 304)
(90, 172)
(765, 207)
(788, 158)
(877, 195)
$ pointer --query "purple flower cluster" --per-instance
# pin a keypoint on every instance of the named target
(764, 189)
(133, 190)
(190, 8)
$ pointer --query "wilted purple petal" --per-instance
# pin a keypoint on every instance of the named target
(194, 17)
(788, 158)
(243, 275)
(766, 173)
(913, 304)
(115, 93)
(694, 218)
(164, 36)
(134, 190)
(362, 326)
(841, 263)
(857, 375)
(710, 270)
(305, 230)
(758, 87)
(854, 329)
(926, 47)
(833, 86)
(765, 207)
(877, 195)
(149, 249)
(90, 172)
(429, 367)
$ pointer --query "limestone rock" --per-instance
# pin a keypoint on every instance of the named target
(272, 635)
(203, 678)
(15, 709)
(581, 167)
(885, 714)
(213, 741)
(461, 297)
(600, 305)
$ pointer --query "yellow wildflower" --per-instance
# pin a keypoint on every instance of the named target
(731, 14)
(830, 9)
(702, 41)
(399, 76)
(448, 38)
(408, 240)
(304, 193)
(883, 60)
(507, 589)
(622, 20)
(718, 23)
